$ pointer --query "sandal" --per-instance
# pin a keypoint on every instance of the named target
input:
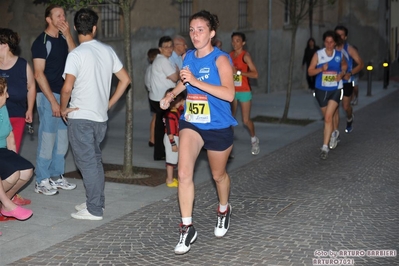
(19, 200)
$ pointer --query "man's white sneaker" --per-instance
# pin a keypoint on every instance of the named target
(85, 215)
(62, 183)
(81, 206)
(45, 188)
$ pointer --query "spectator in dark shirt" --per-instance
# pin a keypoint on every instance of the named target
(310, 50)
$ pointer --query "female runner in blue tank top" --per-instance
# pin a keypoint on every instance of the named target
(329, 66)
(205, 123)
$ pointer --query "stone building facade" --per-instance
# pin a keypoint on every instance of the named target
(369, 22)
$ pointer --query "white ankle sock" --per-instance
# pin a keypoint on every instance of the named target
(223, 208)
(253, 139)
(187, 220)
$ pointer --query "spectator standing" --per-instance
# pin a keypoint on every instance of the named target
(49, 53)
(310, 50)
(355, 94)
(163, 76)
(88, 74)
(218, 43)
(397, 52)
(179, 49)
(151, 54)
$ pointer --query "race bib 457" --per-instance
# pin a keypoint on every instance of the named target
(197, 110)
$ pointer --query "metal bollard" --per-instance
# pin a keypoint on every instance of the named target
(369, 78)
(386, 73)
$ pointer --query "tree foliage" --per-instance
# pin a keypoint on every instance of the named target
(72, 4)
(299, 9)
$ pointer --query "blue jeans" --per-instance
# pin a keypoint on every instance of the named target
(52, 140)
(85, 137)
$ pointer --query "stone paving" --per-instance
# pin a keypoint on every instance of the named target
(286, 206)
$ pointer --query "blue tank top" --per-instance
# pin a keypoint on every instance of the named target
(326, 80)
(202, 109)
(349, 61)
(17, 88)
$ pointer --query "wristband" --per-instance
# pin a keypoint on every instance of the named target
(171, 94)
(172, 141)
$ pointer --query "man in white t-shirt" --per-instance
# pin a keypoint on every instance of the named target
(163, 76)
(88, 73)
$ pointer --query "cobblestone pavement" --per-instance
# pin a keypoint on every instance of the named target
(286, 205)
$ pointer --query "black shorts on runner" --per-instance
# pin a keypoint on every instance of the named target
(214, 139)
(348, 89)
(323, 97)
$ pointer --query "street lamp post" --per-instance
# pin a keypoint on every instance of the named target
(386, 73)
(369, 78)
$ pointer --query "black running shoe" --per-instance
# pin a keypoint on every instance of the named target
(349, 126)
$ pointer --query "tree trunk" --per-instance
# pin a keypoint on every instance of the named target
(128, 151)
(290, 70)
(311, 17)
